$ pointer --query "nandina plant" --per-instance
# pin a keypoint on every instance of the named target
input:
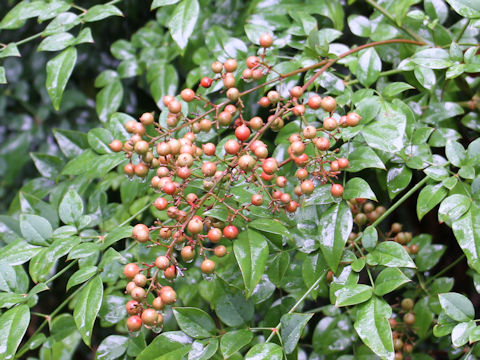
(258, 207)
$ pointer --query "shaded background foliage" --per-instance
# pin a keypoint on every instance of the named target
(139, 50)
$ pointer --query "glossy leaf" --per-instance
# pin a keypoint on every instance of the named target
(269, 226)
(467, 233)
(398, 178)
(388, 280)
(453, 207)
(59, 70)
(251, 252)
(370, 238)
(109, 100)
(87, 307)
(158, 3)
(81, 275)
(390, 254)
(195, 322)
(13, 325)
(457, 306)
(373, 327)
(396, 88)
(234, 341)
(461, 333)
(99, 12)
(292, 326)
(168, 345)
(369, 66)
(183, 21)
(234, 310)
(333, 228)
(353, 294)
(71, 207)
(36, 229)
(358, 188)
(265, 351)
(112, 347)
(467, 8)
(429, 197)
(203, 349)
(47, 165)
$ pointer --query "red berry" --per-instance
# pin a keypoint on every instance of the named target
(232, 147)
(214, 235)
(242, 132)
(133, 307)
(220, 251)
(187, 95)
(314, 102)
(116, 145)
(252, 61)
(130, 270)
(134, 323)
(353, 119)
(168, 295)
(266, 40)
(336, 190)
(170, 272)
(206, 82)
(342, 163)
(257, 199)
(162, 262)
(230, 65)
(208, 266)
(141, 233)
(230, 232)
(149, 317)
(264, 102)
(217, 67)
(270, 165)
(296, 92)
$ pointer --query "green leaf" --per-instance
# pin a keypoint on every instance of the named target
(59, 70)
(370, 238)
(425, 76)
(13, 325)
(18, 252)
(87, 307)
(99, 139)
(453, 207)
(363, 157)
(167, 346)
(433, 58)
(396, 88)
(47, 165)
(291, 329)
(81, 275)
(99, 12)
(368, 67)
(10, 50)
(109, 100)
(467, 233)
(358, 188)
(112, 347)
(387, 131)
(183, 21)
(455, 153)
(373, 327)
(457, 306)
(388, 280)
(277, 267)
(203, 349)
(85, 36)
(359, 25)
(164, 82)
(115, 235)
(466, 8)
(270, 226)
(71, 207)
(429, 197)
(234, 341)
(24, 10)
(251, 252)
(72, 143)
(195, 322)
(8, 278)
(423, 317)
(56, 42)
(474, 335)
(83, 250)
(36, 229)
(3, 78)
(158, 3)
(461, 333)
(398, 178)
(233, 309)
(390, 254)
(333, 228)
(353, 294)
(265, 351)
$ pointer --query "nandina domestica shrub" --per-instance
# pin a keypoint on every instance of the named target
(260, 206)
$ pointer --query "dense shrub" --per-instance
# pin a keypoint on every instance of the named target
(258, 180)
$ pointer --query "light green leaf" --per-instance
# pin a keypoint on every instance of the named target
(467, 232)
(291, 329)
(99, 12)
(457, 306)
(234, 341)
(466, 8)
(429, 197)
(353, 294)
(59, 70)
(87, 307)
(390, 254)
(251, 252)
(333, 228)
(167, 346)
(13, 325)
(233, 309)
(358, 188)
(195, 322)
(109, 100)
(71, 207)
(368, 67)
(158, 3)
(265, 351)
(36, 229)
(453, 207)
(183, 21)
(398, 178)
(112, 347)
(461, 333)
(373, 327)
(388, 280)
(396, 88)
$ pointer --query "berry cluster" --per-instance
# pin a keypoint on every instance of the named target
(173, 158)
(403, 341)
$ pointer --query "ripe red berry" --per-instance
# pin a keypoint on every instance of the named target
(141, 233)
(301, 160)
(206, 82)
(292, 206)
(232, 147)
(334, 166)
(296, 92)
(257, 199)
(330, 124)
(336, 190)
(270, 166)
(342, 163)
(242, 132)
(195, 226)
(149, 317)
(170, 272)
(138, 293)
(134, 323)
(329, 104)
(130, 270)
(252, 61)
(132, 307)
(116, 145)
(214, 235)
(264, 102)
(230, 65)
(353, 119)
(174, 106)
(208, 266)
(322, 143)
(266, 40)
(314, 102)
(217, 67)
(187, 95)
(162, 262)
(230, 232)
(266, 176)
(220, 251)
(168, 295)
